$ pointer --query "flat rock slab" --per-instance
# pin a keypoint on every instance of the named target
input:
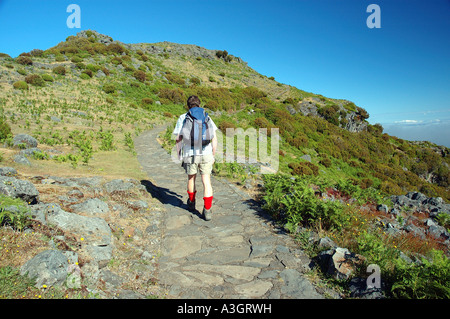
(180, 247)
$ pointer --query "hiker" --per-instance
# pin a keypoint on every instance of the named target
(196, 144)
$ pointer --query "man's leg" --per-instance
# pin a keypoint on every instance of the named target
(191, 183)
(207, 188)
(207, 196)
(191, 191)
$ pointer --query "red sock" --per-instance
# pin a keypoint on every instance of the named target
(192, 196)
(208, 202)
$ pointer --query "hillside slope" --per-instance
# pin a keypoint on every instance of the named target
(112, 82)
(88, 97)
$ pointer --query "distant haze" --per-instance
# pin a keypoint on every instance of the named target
(436, 132)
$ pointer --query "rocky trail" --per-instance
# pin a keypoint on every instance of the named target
(131, 239)
(238, 254)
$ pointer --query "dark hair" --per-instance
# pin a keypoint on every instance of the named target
(193, 101)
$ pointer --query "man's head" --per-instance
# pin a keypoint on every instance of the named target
(193, 101)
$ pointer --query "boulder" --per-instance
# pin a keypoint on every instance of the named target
(20, 159)
(47, 268)
(339, 262)
(17, 188)
(93, 232)
(92, 206)
(26, 139)
(118, 185)
(30, 151)
(326, 242)
(8, 171)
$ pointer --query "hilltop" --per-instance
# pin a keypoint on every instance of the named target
(86, 99)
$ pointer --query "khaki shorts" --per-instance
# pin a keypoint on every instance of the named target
(202, 163)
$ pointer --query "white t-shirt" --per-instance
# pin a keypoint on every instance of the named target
(187, 150)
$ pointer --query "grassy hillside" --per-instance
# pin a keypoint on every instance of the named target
(86, 98)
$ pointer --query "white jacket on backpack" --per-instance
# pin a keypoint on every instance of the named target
(187, 150)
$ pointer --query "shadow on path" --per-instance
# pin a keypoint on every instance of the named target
(166, 196)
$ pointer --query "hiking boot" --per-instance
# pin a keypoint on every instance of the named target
(191, 205)
(207, 213)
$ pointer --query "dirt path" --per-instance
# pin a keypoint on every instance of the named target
(238, 254)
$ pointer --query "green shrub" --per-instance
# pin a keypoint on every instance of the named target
(168, 95)
(17, 219)
(76, 59)
(37, 52)
(115, 48)
(60, 58)
(22, 72)
(106, 140)
(93, 68)
(5, 129)
(109, 88)
(429, 279)
(24, 60)
(88, 73)
(140, 75)
(35, 79)
(176, 79)
(195, 81)
(61, 70)
(47, 77)
(20, 85)
(294, 202)
(224, 125)
(116, 60)
(147, 101)
(84, 76)
(304, 168)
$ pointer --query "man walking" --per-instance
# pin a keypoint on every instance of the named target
(197, 142)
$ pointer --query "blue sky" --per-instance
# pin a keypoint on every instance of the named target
(399, 73)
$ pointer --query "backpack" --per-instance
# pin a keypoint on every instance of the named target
(197, 128)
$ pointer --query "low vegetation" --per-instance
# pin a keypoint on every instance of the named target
(88, 100)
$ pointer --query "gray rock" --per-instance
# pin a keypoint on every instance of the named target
(102, 254)
(118, 185)
(306, 157)
(96, 234)
(48, 268)
(30, 151)
(137, 204)
(111, 278)
(415, 230)
(91, 273)
(338, 262)
(26, 139)
(297, 286)
(92, 206)
(8, 171)
(326, 242)
(437, 231)
(17, 188)
(100, 74)
(20, 159)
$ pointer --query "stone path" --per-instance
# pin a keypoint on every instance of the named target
(238, 254)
